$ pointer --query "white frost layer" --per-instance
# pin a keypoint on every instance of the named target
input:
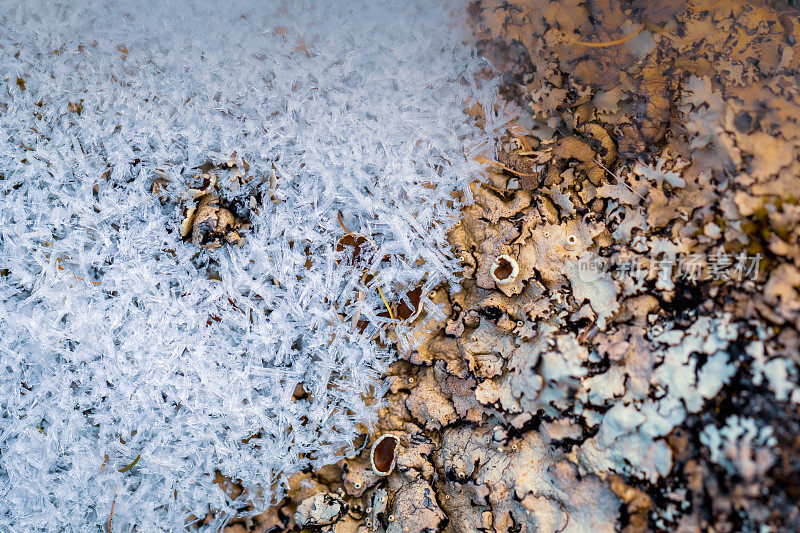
(123, 362)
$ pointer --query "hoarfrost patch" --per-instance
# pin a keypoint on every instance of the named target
(107, 345)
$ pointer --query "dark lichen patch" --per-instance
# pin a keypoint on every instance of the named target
(212, 217)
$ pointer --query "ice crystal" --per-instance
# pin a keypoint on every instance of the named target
(107, 345)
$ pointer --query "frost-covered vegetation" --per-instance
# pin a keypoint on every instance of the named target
(121, 340)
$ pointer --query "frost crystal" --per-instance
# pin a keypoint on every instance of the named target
(108, 345)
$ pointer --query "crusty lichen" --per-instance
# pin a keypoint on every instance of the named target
(592, 367)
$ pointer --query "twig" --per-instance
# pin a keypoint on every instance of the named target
(660, 31)
(128, 467)
(114, 501)
(482, 159)
(620, 180)
(386, 303)
(341, 223)
(111, 516)
(628, 37)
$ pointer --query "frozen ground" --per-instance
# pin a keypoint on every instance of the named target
(107, 351)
